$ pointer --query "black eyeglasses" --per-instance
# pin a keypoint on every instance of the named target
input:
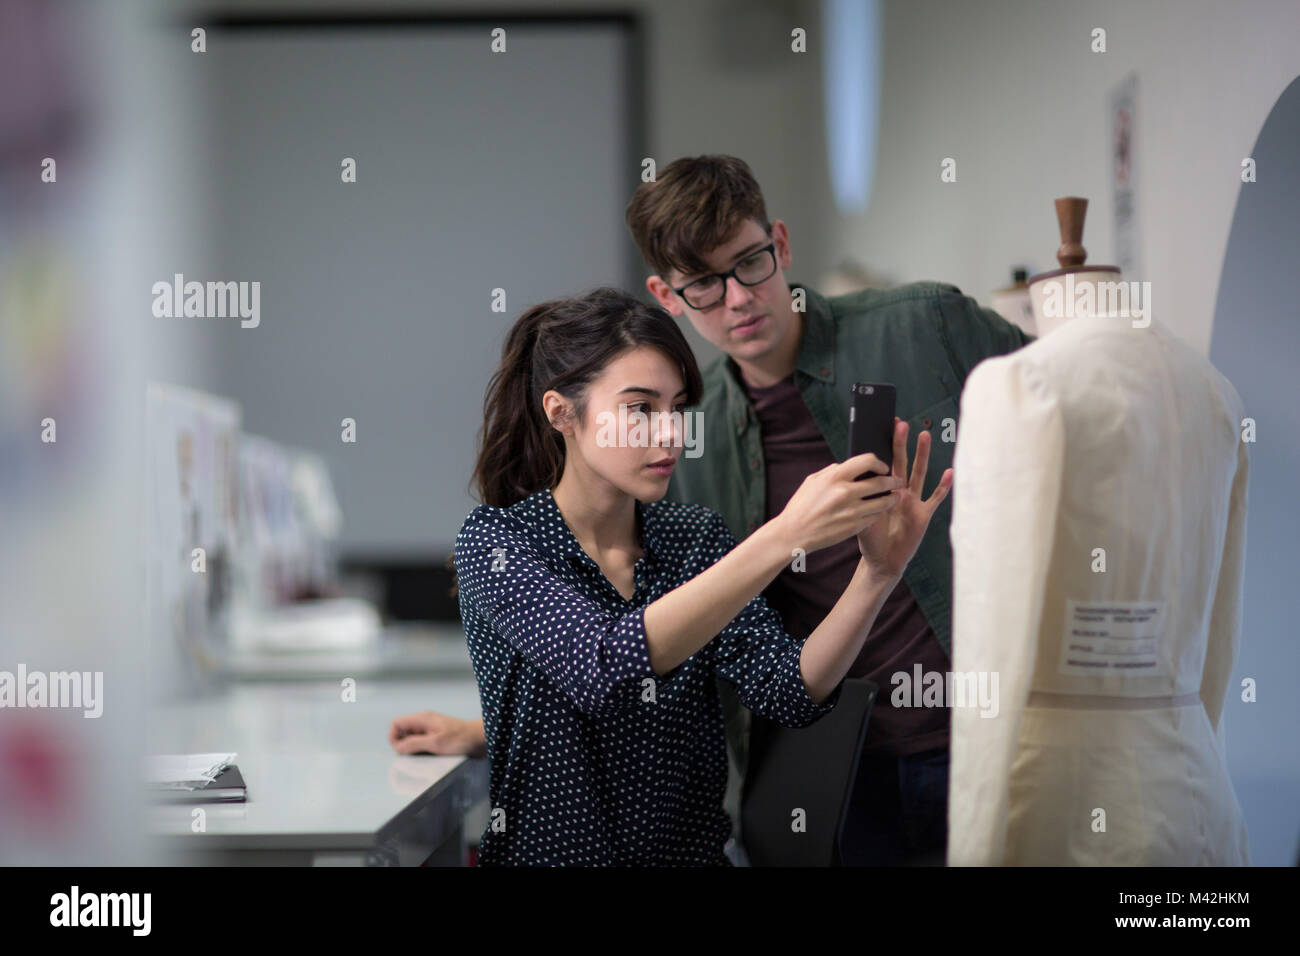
(704, 293)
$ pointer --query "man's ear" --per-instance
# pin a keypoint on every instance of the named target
(781, 236)
(664, 295)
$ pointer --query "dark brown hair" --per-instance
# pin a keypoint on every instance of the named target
(563, 345)
(695, 205)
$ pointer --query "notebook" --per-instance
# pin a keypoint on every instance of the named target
(227, 787)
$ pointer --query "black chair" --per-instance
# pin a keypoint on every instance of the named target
(812, 769)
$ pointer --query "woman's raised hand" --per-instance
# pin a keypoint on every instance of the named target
(888, 545)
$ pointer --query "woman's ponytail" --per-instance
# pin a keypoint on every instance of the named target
(518, 451)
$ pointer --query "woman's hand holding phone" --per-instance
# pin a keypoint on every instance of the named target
(829, 506)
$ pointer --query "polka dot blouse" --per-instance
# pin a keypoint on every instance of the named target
(596, 760)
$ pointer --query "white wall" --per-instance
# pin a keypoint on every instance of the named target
(1007, 87)
(1010, 89)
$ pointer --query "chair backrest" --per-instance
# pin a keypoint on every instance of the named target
(810, 769)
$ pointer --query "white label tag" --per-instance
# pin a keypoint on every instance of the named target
(1112, 637)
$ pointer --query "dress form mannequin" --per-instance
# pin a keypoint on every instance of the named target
(1098, 533)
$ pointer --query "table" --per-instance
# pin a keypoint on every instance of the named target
(324, 786)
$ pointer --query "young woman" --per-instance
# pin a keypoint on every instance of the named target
(599, 616)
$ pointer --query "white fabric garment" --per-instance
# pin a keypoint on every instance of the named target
(1097, 436)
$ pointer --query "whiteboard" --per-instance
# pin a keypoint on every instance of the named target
(475, 171)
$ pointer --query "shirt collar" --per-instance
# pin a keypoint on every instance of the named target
(816, 349)
(649, 520)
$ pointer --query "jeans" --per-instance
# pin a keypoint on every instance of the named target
(898, 811)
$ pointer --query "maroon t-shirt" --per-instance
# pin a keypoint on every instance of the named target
(900, 638)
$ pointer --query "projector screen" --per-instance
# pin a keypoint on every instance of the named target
(475, 171)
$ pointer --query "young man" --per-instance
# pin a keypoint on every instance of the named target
(774, 409)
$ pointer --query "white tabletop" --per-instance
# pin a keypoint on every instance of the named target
(319, 771)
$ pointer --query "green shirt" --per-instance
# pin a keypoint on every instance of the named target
(923, 338)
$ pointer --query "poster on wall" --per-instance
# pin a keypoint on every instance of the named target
(1123, 174)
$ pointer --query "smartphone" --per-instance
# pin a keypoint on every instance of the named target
(871, 425)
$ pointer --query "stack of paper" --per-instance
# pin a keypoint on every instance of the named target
(185, 771)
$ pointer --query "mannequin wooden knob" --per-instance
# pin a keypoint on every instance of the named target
(1070, 211)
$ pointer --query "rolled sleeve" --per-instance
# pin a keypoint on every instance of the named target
(755, 653)
(591, 655)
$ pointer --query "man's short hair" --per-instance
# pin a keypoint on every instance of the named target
(696, 204)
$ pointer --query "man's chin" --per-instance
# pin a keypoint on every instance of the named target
(750, 349)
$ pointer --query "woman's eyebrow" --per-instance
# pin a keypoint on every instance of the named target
(653, 393)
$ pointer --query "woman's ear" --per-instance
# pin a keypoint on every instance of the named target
(558, 411)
